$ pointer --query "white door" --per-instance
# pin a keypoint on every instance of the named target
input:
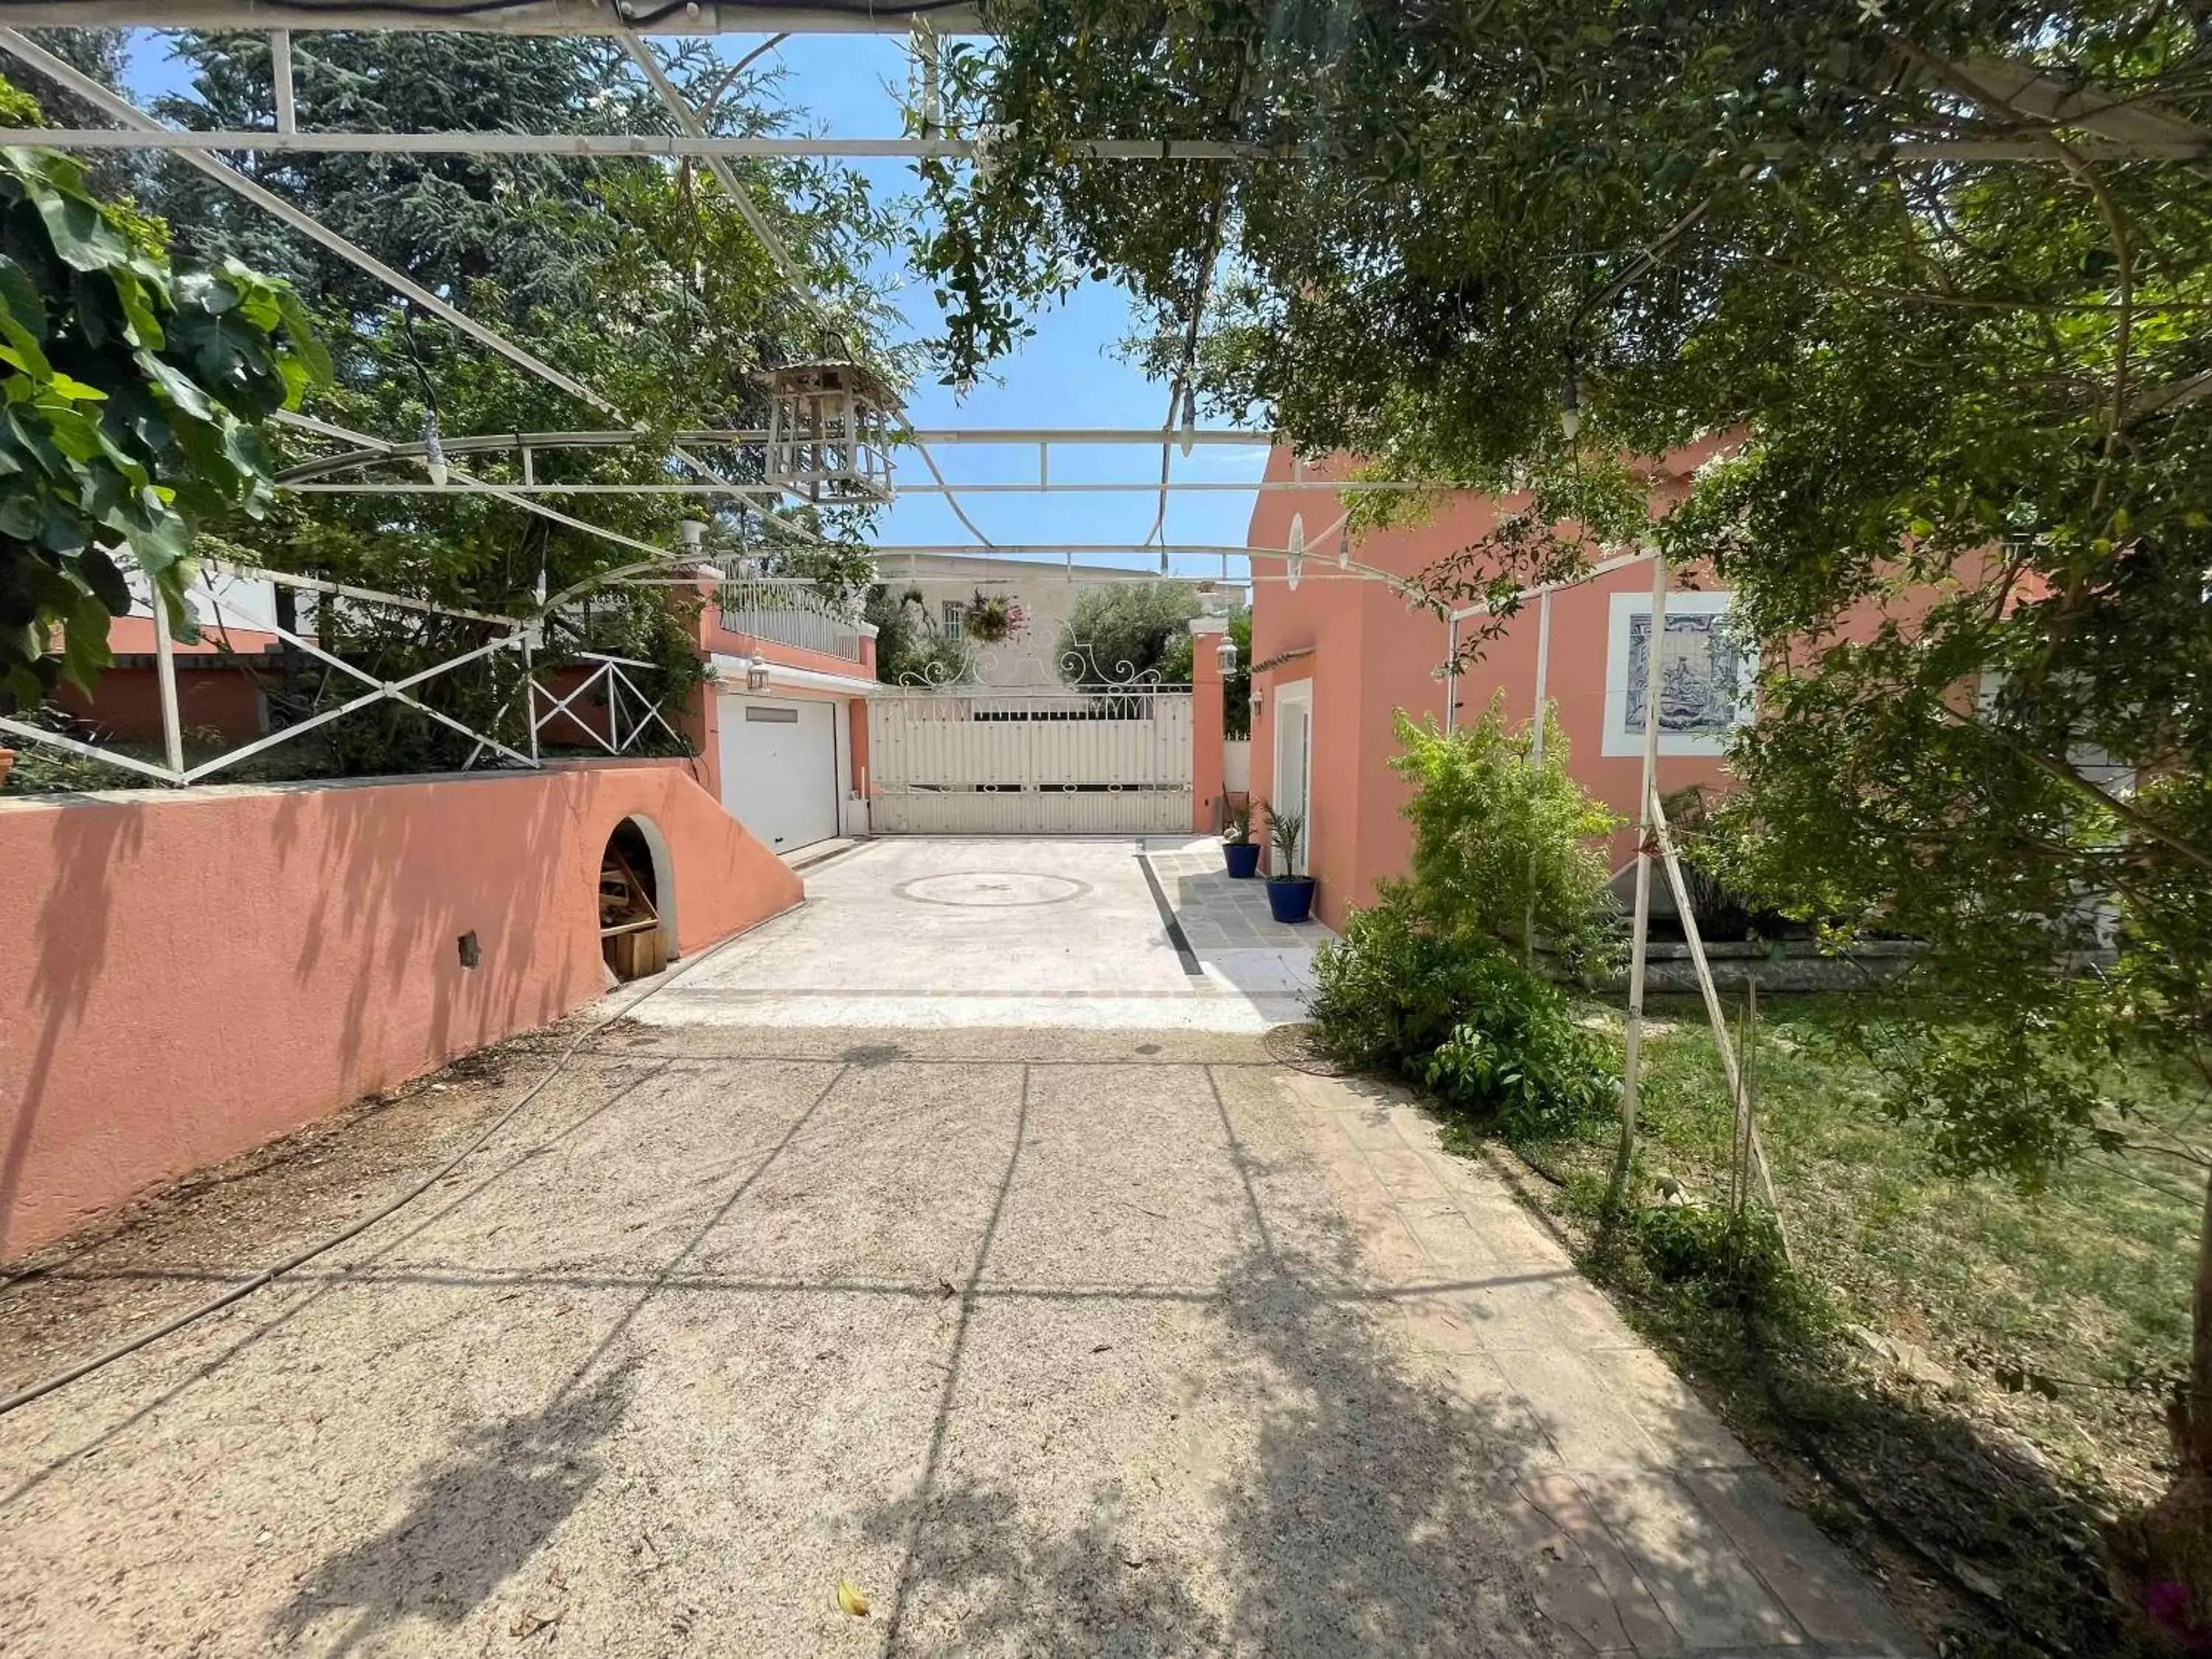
(780, 769)
(1294, 762)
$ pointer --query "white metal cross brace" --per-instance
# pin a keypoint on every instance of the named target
(686, 118)
(88, 750)
(122, 110)
(381, 691)
(610, 669)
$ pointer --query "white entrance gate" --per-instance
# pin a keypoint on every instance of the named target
(980, 760)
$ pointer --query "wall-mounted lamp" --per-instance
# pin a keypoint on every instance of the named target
(1224, 654)
(756, 674)
(1259, 696)
(694, 532)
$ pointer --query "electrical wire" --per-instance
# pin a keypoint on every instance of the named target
(352, 1229)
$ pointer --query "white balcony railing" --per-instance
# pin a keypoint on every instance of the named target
(790, 615)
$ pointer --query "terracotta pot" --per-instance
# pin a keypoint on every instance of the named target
(7, 760)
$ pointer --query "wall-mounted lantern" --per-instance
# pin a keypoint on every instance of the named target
(756, 674)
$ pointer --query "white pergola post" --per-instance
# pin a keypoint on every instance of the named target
(1536, 754)
(1543, 669)
(1639, 947)
(280, 71)
(165, 675)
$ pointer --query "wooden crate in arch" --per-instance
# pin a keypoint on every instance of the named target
(630, 935)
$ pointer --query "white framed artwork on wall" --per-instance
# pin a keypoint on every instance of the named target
(1706, 675)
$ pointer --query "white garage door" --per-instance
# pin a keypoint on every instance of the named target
(780, 768)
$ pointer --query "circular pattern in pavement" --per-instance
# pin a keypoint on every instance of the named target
(991, 890)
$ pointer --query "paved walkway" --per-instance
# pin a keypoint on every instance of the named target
(1644, 1525)
(1008, 932)
(1049, 1341)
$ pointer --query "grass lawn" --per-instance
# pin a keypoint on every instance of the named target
(1969, 1381)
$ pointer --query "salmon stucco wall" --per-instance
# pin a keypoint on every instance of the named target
(186, 974)
(1370, 654)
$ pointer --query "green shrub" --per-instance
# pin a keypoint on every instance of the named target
(1503, 843)
(1452, 1011)
(1390, 990)
(1520, 1054)
(1736, 1255)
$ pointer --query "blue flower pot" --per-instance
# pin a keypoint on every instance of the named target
(1243, 858)
(1290, 899)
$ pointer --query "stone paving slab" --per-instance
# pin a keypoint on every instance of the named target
(1643, 1524)
(1216, 910)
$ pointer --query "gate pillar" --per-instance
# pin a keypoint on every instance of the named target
(1208, 726)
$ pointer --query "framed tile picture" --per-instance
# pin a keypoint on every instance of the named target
(1705, 675)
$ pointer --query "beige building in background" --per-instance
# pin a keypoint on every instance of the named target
(1044, 593)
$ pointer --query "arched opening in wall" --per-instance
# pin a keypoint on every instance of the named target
(637, 900)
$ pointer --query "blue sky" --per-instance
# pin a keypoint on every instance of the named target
(1069, 374)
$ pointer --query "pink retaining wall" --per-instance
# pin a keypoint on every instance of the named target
(186, 974)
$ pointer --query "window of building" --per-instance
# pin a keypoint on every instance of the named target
(955, 618)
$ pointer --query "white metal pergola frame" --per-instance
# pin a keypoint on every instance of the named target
(138, 130)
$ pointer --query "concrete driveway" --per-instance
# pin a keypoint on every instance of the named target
(1087, 932)
(1047, 1340)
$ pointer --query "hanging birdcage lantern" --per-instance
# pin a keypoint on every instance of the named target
(828, 426)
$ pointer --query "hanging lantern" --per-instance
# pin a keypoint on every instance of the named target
(434, 451)
(1224, 656)
(828, 427)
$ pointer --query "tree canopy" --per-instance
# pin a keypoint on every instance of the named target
(1933, 279)
(1121, 631)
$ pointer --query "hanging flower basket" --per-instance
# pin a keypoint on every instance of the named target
(993, 620)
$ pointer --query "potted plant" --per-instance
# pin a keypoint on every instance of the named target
(1238, 846)
(993, 619)
(1290, 896)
